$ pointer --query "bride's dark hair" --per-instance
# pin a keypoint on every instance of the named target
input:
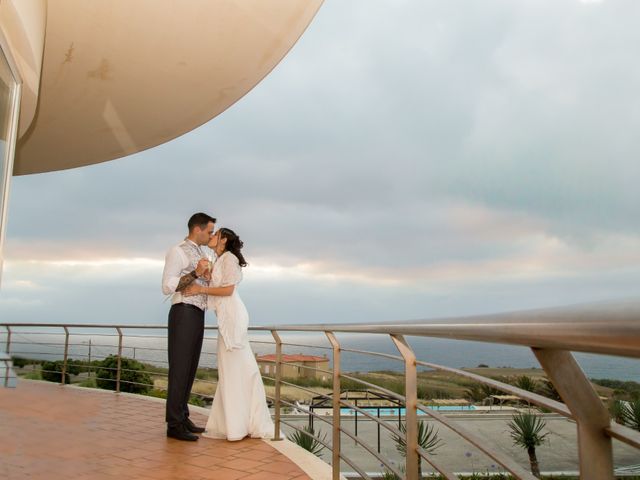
(234, 244)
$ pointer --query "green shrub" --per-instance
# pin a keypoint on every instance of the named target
(52, 371)
(20, 362)
(625, 389)
(626, 385)
(133, 377)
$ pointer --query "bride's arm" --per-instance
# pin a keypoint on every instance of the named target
(195, 289)
(230, 273)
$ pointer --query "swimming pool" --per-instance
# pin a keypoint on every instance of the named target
(394, 411)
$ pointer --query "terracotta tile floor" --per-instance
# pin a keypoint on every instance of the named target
(52, 432)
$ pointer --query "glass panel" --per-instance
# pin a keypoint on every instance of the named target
(7, 85)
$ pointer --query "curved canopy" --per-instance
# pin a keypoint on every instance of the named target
(120, 76)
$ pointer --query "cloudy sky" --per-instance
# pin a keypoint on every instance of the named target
(407, 159)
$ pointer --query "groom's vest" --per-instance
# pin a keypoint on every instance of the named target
(194, 254)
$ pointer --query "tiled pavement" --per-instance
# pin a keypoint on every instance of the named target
(51, 432)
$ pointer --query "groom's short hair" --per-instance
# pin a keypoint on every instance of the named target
(200, 220)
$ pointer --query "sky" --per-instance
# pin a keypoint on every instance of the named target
(406, 160)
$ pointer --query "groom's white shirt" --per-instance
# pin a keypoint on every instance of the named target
(177, 264)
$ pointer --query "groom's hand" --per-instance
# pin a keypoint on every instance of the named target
(191, 290)
(186, 280)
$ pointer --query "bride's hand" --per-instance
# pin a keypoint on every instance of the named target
(203, 267)
(191, 290)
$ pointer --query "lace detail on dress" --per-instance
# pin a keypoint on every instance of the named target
(233, 318)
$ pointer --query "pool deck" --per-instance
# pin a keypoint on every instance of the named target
(52, 432)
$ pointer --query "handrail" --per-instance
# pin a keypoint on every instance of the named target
(551, 333)
(578, 328)
(620, 338)
(305, 345)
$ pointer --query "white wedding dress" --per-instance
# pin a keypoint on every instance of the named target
(239, 406)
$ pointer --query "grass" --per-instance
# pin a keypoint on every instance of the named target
(33, 375)
(193, 399)
(89, 382)
(623, 390)
(431, 384)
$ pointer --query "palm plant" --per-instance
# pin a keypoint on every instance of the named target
(617, 410)
(428, 440)
(631, 414)
(479, 391)
(548, 389)
(307, 441)
(526, 432)
(526, 383)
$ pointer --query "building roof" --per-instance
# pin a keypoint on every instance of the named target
(292, 358)
(117, 77)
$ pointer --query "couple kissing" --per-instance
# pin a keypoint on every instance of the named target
(199, 282)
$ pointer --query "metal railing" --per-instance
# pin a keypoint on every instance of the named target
(552, 335)
(7, 377)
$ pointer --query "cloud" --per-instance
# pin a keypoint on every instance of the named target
(404, 153)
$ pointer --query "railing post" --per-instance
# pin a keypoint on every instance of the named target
(90, 368)
(277, 404)
(66, 356)
(591, 416)
(8, 349)
(335, 423)
(119, 359)
(411, 404)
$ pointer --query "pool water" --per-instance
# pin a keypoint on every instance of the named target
(394, 411)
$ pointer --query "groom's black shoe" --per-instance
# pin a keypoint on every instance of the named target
(192, 427)
(181, 433)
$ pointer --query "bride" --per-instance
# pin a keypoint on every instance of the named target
(239, 406)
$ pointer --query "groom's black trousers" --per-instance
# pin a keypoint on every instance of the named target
(186, 331)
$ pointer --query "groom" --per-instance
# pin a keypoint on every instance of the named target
(185, 263)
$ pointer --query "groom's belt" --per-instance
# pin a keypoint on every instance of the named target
(188, 305)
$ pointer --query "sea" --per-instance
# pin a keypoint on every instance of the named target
(147, 347)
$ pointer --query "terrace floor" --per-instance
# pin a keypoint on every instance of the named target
(52, 432)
